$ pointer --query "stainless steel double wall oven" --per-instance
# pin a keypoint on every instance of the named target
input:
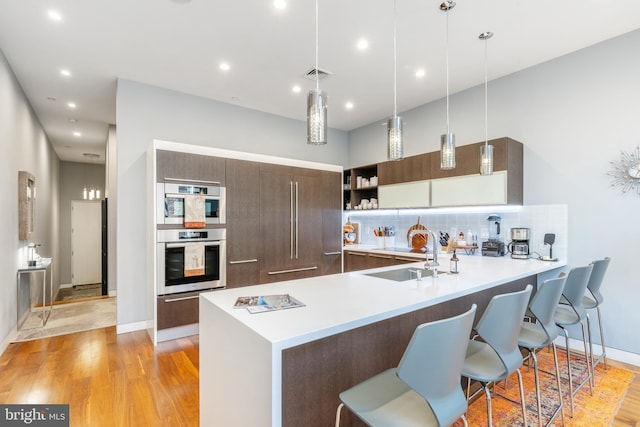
(173, 239)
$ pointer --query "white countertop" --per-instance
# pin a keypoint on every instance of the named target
(339, 302)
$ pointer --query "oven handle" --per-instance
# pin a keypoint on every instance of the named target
(295, 270)
(182, 196)
(192, 181)
(182, 298)
(182, 245)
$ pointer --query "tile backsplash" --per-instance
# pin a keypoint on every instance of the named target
(541, 219)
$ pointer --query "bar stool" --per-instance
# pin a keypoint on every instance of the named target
(570, 311)
(424, 390)
(593, 299)
(498, 355)
(541, 332)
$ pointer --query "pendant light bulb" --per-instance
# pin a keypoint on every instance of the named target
(486, 150)
(394, 125)
(448, 140)
(317, 106)
(84, 193)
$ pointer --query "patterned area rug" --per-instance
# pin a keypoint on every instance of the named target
(69, 318)
(597, 410)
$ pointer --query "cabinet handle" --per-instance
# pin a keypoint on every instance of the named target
(408, 259)
(297, 204)
(380, 256)
(243, 261)
(295, 270)
(182, 298)
(291, 218)
(356, 254)
(197, 181)
(333, 253)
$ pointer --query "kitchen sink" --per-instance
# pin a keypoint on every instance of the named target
(403, 274)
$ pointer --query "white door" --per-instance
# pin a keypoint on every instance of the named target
(86, 242)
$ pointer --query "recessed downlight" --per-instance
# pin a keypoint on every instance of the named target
(362, 44)
(71, 104)
(296, 89)
(65, 72)
(224, 66)
(54, 15)
(280, 4)
(77, 134)
(420, 73)
(349, 105)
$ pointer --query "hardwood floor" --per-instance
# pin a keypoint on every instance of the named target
(108, 379)
(121, 380)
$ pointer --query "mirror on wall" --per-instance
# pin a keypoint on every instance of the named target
(26, 205)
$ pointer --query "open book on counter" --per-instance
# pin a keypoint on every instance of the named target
(264, 303)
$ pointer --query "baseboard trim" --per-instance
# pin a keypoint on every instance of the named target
(178, 332)
(612, 353)
(132, 327)
(8, 340)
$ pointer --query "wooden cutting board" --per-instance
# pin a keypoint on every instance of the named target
(418, 241)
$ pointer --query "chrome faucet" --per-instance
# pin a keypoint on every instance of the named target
(433, 264)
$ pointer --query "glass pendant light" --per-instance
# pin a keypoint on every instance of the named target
(448, 140)
(317, 106)
(486, 150)
(394, 125)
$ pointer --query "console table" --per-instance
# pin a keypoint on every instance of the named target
(47, 263)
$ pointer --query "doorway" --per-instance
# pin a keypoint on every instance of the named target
(86, 249)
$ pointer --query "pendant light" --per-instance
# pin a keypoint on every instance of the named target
(448, 140)
(486, 150)
(317, 106)
(394, 125)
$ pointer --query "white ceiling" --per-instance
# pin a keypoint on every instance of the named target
(178, 44)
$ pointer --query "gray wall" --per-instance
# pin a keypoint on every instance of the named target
(73, 177)
(574, 115)
(145, 113)
(24, 146)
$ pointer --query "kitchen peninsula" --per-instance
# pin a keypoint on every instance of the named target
(286, 368)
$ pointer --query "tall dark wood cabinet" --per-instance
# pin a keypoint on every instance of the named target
(331, 223)
(290, 222)
(189, 166)
(243, 222)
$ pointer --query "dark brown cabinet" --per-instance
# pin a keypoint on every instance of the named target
(290, 222)
(175, 165)
(177, 310)
(243, 222)
(414, 168)
(331, 223)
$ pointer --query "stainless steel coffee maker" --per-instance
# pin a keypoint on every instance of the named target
(519, 246)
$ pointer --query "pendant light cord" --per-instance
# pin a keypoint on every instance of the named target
(448, 71)
(317, 72)
(486, 108)
(395, 66)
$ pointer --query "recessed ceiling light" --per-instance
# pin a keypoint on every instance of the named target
(224, 66)
(279, 4)
(65, 72)
(362, 44)
(91, 155)
(420, 73)
(78, 134)
(71, 104)
(349, 105)
(54, 15)
(296, 89)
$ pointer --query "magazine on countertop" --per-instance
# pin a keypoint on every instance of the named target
(264, 303)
